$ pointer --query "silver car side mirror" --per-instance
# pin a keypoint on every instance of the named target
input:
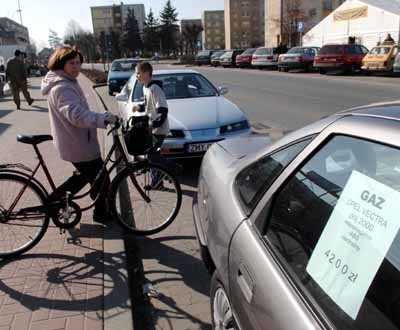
(122, 97)
(223, 90)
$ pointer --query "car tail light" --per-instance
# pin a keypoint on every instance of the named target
(254, 57)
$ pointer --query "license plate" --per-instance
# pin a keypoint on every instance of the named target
(288, 59)
(199, 147)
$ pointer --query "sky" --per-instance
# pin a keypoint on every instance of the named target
(41, 15)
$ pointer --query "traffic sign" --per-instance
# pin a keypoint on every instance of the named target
(300, 27)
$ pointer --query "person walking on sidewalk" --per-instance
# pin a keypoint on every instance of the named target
(17, 78)
(73, 125)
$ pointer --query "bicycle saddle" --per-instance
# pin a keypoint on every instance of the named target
(33, 139)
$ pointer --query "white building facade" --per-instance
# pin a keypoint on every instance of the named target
(368, 21)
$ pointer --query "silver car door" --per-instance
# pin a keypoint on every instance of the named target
(259, 293)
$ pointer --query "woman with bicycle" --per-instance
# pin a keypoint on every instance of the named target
(74, 125)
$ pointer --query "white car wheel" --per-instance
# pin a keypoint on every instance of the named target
(221, 311)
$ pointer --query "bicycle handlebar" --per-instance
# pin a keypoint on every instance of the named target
(115, 126)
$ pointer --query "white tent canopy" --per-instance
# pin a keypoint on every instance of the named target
(369, 21)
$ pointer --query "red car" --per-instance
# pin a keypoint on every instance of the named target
(244, 59)
(345, 58)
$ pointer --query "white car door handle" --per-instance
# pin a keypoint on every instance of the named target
(245, 282)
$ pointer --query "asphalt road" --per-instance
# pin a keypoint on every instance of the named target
(292, 100)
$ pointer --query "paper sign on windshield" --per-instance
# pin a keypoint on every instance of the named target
(355, 241)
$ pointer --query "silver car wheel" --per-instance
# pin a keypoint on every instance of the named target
(223, 317)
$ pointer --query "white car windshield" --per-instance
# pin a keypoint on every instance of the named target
(179, 86)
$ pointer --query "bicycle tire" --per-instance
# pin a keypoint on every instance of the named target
(32, 226)
(130, 208)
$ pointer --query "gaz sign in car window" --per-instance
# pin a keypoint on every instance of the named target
(355, 240)
(334, 225)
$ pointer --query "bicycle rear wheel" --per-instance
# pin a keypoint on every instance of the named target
(145, 198)
(20, 229)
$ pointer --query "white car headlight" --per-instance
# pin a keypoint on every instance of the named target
(238, 126)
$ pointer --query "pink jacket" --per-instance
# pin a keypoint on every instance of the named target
(73, 124)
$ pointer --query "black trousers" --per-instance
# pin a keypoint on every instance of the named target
(87, 172)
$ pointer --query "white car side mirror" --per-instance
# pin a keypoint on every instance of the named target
(223, 90)
(122, 97)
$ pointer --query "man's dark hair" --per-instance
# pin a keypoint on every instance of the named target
(145, 67)
(17, 52)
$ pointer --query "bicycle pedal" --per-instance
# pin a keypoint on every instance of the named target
(62, 231)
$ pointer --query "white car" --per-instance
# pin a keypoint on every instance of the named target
(198, 113)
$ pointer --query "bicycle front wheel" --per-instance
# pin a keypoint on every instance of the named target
(20, 228)
(145, 198)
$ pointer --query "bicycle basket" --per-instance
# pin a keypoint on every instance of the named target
(137, 135)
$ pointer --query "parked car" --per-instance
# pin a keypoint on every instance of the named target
(215, 57)
(303, 233)
(204, 57)
(198, 113)
(298, 58)
(337, 57)
(120, 72)
(229, 57)
(244, 59)
(396, 65)
(265, 57)
(380, 59)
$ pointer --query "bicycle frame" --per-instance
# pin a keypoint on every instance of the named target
(122, 157)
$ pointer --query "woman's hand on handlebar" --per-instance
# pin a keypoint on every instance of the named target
(111, 119)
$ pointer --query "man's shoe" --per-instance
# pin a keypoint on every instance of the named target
(31, 101)
(18, 107)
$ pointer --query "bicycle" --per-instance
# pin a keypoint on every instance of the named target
(26, 206)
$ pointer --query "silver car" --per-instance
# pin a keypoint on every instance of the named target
(302, 233)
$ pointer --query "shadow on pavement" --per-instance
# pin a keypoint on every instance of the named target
(34, 108)
(68, 282)
(3, 127)
(72, 283)
(183, 267)
(190, 172)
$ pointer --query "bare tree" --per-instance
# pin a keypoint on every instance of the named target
(190, 34)
(72, 30)
(291, 14)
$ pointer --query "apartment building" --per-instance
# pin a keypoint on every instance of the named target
(105, 18)
(244, 23)
(13, 33)
(282, 19)
(214, 29)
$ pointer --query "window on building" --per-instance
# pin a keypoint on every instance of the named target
(327, 4)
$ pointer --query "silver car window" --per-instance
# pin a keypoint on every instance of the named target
(252, 182)
(301, 210)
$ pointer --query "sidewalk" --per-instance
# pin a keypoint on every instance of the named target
(77, 280)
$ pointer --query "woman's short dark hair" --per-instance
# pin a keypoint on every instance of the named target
(145, 67)
(61, 55)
